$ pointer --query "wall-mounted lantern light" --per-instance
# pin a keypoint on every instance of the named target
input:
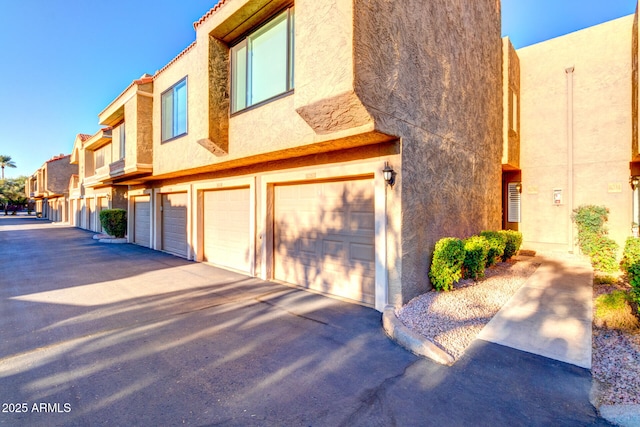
(389, 174)
(519, 187)
(633, 181)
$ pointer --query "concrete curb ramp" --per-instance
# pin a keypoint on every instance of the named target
(412, 341)
(622, 415)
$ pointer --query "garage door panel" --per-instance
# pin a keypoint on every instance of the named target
(324, 237)
(174, 223)
(142, 220)
(227, 228)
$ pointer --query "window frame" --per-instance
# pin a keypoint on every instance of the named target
(122, 136)
(182, 82)
(246, 42)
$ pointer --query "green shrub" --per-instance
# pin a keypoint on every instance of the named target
(630, 264)
(593, 241)
(604, 257)
(446, 266)
(590, 219)
(476, 249)
(514, 240)
(114, 221)
(497, 243)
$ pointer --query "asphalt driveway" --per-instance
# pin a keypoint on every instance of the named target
(99, 334)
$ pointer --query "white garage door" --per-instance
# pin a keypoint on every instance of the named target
(174, 223)
(226, 228)
(142, 220)
(91, 214)
(324, 237)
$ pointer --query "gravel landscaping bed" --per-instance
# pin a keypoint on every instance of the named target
(452, 320)
(616, 360)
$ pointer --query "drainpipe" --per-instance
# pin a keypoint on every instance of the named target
(570, 198)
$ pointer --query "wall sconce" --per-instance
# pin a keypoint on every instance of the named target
(389, 174)
(519, 187)
(633, 181)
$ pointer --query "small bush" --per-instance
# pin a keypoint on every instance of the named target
(630, 264)
(497, 243)
(614, 312)
(604, 256)
(476, 249)
(446, 266)
(590, 219)
(592, 237)
(513, 242)
(114, 222)
(604, 279)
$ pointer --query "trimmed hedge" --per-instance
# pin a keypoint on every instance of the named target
(476, 249)
(513, 243)
(630, 264)
(446, 266)
(497, 243)
(114, 222)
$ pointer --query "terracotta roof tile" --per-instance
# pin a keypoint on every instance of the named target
(211, 11)
(83, 136)
(180, 55)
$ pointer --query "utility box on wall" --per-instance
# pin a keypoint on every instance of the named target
(557, 196)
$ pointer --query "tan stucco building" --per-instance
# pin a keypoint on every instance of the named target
(48, 189)
(574, 128)
(274, 167)
(262, 146)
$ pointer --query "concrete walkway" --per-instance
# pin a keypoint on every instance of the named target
(551, 314)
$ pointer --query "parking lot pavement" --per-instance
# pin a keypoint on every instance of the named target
(122, 335)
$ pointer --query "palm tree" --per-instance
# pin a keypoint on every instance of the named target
(5, 161)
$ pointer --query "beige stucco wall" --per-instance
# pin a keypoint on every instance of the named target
(58, 172)
(589, 158)
(366, 72)
(511, 110)
(323, 108)
(435, 79)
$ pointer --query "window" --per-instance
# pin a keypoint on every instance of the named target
(122, 137)
(513, 114)
(99, 158)
(174, 111)
(262, 63)
(102, 156)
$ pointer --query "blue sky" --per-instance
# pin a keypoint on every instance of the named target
(64, 61)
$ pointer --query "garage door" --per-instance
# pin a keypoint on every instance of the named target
(226, 228)
(174, 223)
(142, 220)
(91, 214)
(324, 237)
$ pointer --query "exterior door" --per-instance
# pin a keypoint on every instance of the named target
(324, 237)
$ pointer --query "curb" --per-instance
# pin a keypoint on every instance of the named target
(105, 238)
(412, 341)
(622, 415)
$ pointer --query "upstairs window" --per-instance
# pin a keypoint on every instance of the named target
(262, 63)
(122, 145)
(174, 111)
